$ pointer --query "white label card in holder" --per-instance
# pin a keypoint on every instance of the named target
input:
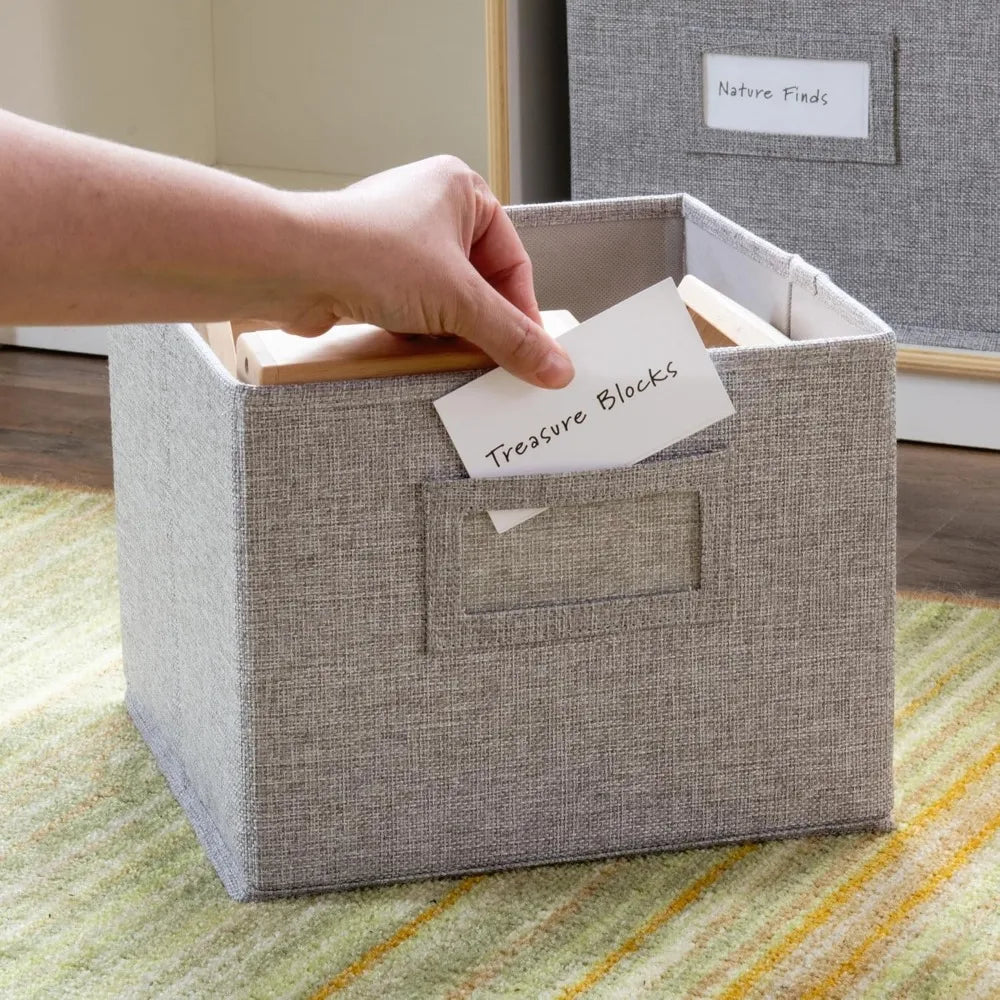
(811, 97)
(643, 381)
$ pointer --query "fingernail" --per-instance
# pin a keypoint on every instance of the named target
(556, 370)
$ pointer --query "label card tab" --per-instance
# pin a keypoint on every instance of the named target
(813, 97)
(643, 381)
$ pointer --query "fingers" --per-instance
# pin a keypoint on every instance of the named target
(499, 256)
(511, 338)
(504, 319)
(457, 266)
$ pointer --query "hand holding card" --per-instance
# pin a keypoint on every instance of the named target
(644, 381)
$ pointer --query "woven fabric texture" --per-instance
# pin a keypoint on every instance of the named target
(907, 221)
(332, 712)
(107, 893)
(179, 532)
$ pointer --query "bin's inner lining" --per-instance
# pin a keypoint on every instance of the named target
(587, 267)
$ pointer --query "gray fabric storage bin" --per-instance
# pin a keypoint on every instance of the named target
(907, 220)
(348, 677)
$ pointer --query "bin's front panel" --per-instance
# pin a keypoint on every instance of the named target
(425, 699)
(902, 212)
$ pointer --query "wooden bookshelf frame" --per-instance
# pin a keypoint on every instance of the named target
(955, 364)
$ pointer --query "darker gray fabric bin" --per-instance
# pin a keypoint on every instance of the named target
(347, 679)
(907, 220)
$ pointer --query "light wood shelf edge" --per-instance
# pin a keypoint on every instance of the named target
(497, 109)
(957, 364)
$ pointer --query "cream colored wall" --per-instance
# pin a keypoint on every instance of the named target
(296, 93)
(138, 71)
(334, 89)
(348, 87)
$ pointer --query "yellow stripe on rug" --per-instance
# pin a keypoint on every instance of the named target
(814, 920)
(944, 680)
(483, 974)
(370, 957)
(655, 922)
(933, 882)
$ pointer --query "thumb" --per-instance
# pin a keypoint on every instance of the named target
(512, 339)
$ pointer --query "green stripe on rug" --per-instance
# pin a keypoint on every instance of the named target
(104, 891)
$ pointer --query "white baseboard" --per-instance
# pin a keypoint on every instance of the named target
(77, 339)
(948, 409)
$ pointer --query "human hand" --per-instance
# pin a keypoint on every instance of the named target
(424, 248)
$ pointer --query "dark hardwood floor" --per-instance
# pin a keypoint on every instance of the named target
(948, 527)
(55, 427)
(55, 423)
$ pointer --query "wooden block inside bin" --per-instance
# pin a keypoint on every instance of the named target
(271, 357)
(722, 321)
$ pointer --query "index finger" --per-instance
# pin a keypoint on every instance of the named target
(498, 254)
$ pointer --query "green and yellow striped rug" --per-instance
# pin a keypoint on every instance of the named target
(104, 891)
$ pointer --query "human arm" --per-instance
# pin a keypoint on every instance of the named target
(95, 232)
